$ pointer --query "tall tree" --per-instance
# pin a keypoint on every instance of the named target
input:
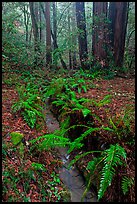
(82, 36)
(26, 20)
(48, 34)
(69, 29)
(55, 24)
(55, 41)
(35, 32)
(99, 31)
(74, 37)
(118, 15)
(42, 25)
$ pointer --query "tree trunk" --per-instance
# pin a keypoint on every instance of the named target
(62, 61)
(54, 24)
(69, 30)
(99, 36)
(82, 36)
(26, 22)
(54, 32)
(74, 39)
(48, 35)
(35, 32)
(118, 16)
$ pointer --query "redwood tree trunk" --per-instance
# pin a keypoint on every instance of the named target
(82, 36)
(118, 16)
(54, 41)
(42, 25)
(35, 32)
(99, 31)
(74, 38)
(70, 53)
(48, 34)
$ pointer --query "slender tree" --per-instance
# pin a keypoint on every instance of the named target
(54, 41)
(74, 37)
(118, 15)
(55, 24)
(99, 36)
(69, 29)
(42, 25)
(35, 32)
(82, 36)
(26, 20)
(48, 34)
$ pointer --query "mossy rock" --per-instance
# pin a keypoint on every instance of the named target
(16, 137)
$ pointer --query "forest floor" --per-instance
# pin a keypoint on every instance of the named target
(29, 183)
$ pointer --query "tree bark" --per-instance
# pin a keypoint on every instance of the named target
(35, 32)
(42, 26)
(48, 35)
(99, 36)
(54, 41)
(54, 24)
(69, 30)
(118, 16)
(82, 36)
(26, 21)
(74, 40)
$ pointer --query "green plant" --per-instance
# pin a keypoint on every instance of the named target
(16, 139)
(30, 106)
(70, 103)
(105, 165)
(120, 124)
(112, 158)
(126, 184)
(49, 141)
(38, 166)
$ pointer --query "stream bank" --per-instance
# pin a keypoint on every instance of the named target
(71, 178)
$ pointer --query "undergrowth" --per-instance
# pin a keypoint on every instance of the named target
(63, 92)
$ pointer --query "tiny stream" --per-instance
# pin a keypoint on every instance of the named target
(72, 178)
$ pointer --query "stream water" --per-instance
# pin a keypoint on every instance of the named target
(70, 177)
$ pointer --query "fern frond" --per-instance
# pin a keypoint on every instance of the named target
(77, 142)
(50, 141)
(112, 159)
(104, 101)
(17, 106)
(77, 157)
(127, 183)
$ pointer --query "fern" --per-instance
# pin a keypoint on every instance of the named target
(30, 117)
(112, 159)
(29, 106)
(77, 142)
(50, 141)
(127, 183)
(77, 157)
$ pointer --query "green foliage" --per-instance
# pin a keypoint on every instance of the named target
(106, 165)
(121, 124)
(76, 144)
(52, 185)
(38, 166)
(127, 184)
(49, 141)
(103, 102)
(70, 103)
(112, 159)
(16, 137)
(29, 104)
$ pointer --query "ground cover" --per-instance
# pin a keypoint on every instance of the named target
(31, 188)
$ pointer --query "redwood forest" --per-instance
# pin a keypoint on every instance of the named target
(68, 102)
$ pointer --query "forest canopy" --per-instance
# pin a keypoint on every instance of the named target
(70, 35)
